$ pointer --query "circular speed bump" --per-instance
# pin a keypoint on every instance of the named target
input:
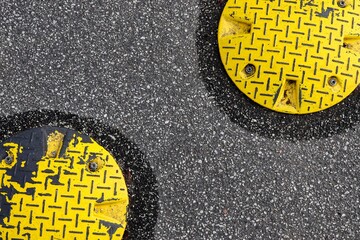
(56, 183)
(294, 57)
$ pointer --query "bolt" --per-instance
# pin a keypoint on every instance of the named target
(250, 69)
(342, 3)
(333, 81)
(9, 160)
(93, 166)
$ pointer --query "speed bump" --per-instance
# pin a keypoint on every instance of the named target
(293, 57)
(56, 183)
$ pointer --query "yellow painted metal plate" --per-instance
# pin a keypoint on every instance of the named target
(294, 57)
(59, 184)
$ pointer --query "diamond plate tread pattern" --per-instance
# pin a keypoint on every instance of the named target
(53, 194)
(296, 48)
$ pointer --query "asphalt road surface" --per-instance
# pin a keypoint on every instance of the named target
(225, 167)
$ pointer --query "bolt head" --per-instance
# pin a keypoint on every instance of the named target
(93, 166)
(250, 69)
(342, 3)
(9, 159)
(333, 81)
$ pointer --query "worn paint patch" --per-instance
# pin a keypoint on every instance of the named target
(53, 195)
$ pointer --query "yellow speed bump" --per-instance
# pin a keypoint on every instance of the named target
(56, 183)
(294, 57)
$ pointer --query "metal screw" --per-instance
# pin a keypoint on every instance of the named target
(9, 160)
(333, 81)
(250, 69)
(342, 3)
(93, 166)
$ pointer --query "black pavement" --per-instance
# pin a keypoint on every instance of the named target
(226, 168)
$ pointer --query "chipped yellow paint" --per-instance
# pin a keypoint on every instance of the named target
(296, 47)
(13, 150)
(54, 144)
(68, 200)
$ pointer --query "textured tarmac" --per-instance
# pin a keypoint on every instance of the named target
(226, 168)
